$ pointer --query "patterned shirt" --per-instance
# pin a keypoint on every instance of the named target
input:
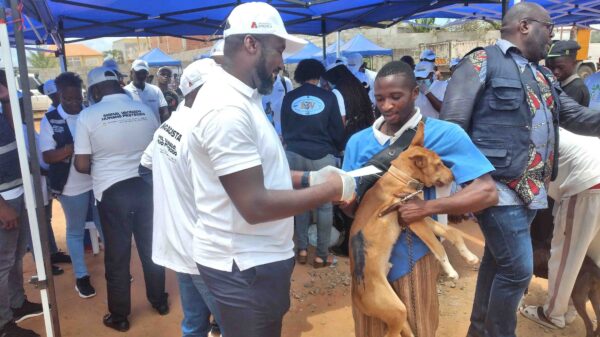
(532, 185)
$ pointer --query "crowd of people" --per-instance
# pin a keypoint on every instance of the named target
(220, 178)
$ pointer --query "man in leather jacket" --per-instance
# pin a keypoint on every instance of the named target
(511, 108)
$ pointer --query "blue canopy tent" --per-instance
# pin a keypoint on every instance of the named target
(309, 51)
(157, 58)
(365, 47)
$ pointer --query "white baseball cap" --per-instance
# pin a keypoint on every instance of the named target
(101, 74)
(423, 69)
(138, 65)
(217, 48)
(50, 87)
(428, 55)
(260, 18)
(196, 74)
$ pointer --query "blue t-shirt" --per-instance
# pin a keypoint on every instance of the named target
(455, 149)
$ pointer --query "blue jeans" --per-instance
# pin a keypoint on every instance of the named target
(505, 271)
(324, 212)
(76, 210)
(197, 304)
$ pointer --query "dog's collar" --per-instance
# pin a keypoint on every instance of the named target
(405, 178)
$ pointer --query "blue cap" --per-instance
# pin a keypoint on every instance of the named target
(428, 55)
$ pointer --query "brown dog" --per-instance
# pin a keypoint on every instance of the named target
(375, 230)
(587, 286)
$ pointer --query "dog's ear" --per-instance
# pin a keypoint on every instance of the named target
(419, 159)
(419, 138)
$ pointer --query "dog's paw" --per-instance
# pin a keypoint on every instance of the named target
(453, 275)
(472, 259)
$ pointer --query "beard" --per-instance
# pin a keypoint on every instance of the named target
(265, 78)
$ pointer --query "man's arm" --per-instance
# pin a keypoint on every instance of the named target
(83, 163)
(164, 113)
(435, 102)
(257, 204)
(578, 119)
(464, 89)
(9, 219)
(58, 155)
(480, 194)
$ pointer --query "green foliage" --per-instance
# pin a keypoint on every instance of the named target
(41, 59)
(116, 54)
(423, 25)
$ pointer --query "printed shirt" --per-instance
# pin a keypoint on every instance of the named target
(533, 183)
(593, 84)
(446, 139)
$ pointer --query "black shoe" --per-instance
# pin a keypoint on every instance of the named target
(84, 287)
(10, 329)
(162, 309)
(56, 270)
(214, 329)
(27, 310)
(60, 257)
(120, 325)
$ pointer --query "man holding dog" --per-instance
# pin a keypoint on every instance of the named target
(396, 91)
(242, 184)
(511, 106)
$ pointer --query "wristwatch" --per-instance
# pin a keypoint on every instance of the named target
(305, 181)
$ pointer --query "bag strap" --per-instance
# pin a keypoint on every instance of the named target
(282, 79)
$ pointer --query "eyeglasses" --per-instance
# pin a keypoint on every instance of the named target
(547, 24)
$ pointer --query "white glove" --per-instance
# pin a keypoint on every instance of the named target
(423, 87)
(348, 182)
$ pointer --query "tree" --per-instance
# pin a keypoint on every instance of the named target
(41, 59)
(115, 54)
(423, 25)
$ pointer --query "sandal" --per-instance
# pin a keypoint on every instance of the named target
(329, 261)
(302, 259)
(536, 314)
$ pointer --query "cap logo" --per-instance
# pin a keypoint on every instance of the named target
(190, 83)
(253, 25)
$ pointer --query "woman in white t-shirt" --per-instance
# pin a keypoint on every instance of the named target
(74, 189)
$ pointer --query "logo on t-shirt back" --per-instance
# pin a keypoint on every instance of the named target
(308, 105)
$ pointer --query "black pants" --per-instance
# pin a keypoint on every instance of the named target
(126, 209)
(252, 302)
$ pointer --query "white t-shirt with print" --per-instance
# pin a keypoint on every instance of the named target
(438, 89)
(152, 96)
(593, 84)
(77, 183)
(174, 219)
(115, 131)
(276, 99)
(230, 136)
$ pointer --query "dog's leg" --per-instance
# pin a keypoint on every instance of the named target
(595, 299)
(455, 237)
(377, 298)
(421, 229)
(580, 296)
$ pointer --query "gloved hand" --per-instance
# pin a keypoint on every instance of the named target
(423, 87)
(323, 175)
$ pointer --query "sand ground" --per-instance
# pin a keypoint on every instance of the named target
(320, 299)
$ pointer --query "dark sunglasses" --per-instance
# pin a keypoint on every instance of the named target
(548, 25)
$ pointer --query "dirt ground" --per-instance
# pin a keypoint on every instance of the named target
(320, 299)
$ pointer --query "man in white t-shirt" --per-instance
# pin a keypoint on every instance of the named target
(172, 240)
(272, 102)
(576, 191)
(243, 187)
(147, 93)
(431, 91)
(111, 137)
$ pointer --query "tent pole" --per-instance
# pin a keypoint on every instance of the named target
(33, 191)
(62, 56)
(337, 48)
(324, 36)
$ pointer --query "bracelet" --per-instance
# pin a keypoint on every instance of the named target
(304, 182)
